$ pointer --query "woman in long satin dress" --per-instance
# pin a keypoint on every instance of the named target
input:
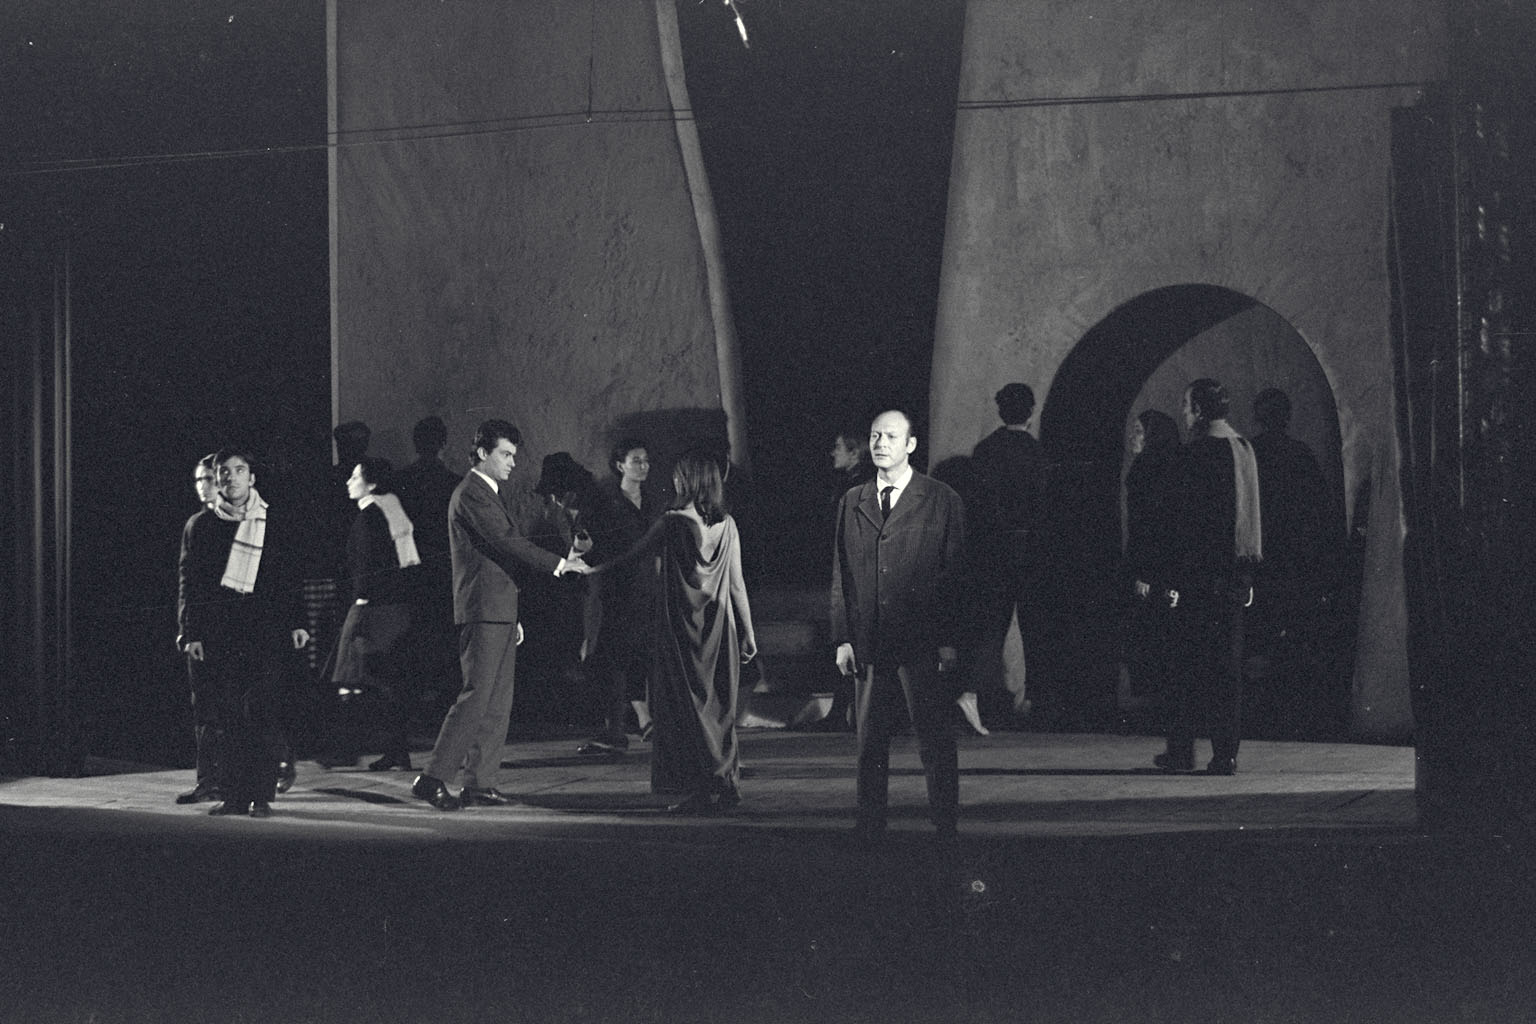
(702, 636)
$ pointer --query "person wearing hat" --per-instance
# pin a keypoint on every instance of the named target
(1008, 469)
(556, 612)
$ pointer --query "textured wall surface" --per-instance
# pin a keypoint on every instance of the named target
(1089, 169)
(513, 228)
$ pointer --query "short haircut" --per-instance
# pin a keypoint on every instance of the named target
(1272, 408)
(352, 429)
(377, 471)
(1015, 403)
(429, 435)
(697, 476)
(621, 449)
(899, 411)
(209, 461)
(223, 455)
(1209, 400)
(490, 432)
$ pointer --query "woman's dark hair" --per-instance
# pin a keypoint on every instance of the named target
(379, 472)
(621, 449)
(1209, 401)
(1159, 433)
(697, 477)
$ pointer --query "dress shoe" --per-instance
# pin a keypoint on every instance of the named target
(487, 796)
(1169, 763)
(728, 799)
(390, 762)
(229, 807)
(967, 702)
(199, 793)
(261, 809)
(694, 804)
(600, 748)
(435, 793)
(1221, 766)
(287, 772)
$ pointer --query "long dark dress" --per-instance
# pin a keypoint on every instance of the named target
(703, 623)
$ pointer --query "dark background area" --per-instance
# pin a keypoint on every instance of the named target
(176, 151)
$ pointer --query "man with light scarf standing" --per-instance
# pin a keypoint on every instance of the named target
(239, 609)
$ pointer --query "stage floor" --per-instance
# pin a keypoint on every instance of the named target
(1085, 887)
(1012, 784)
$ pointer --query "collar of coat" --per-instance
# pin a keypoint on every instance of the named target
(869, 498)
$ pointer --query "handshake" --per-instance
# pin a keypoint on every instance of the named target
(573, 565)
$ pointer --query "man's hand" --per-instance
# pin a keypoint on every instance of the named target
(846, 663)
(300, 639)
(572, 567)
(194, 650)
(947, 659)
(519, 635)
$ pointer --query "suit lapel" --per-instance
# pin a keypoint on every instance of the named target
(910, 496)
(869, 504)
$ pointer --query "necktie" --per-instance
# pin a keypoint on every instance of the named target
(885, 501)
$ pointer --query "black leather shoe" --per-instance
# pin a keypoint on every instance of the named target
(389, 762)
(1222, 766)
(1168, 763)
(435, 793)
(600, 748)
(261, 809)
(229, 807)
(286, 773)
(488, 796)
(203, 791)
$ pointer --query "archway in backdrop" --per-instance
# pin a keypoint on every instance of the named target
(1142, 355)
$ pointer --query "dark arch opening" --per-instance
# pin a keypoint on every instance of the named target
(1077, 644)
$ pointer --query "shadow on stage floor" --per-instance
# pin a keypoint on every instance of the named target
(1082, 889)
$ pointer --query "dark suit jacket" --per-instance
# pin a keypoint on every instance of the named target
(895, 584)
(487, 546)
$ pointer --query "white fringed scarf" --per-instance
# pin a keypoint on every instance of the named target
(400, 529)
(245, 553)
(1247, 533)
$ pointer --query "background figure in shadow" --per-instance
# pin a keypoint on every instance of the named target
(1153, 443)
(1217, 542)
(619, 659)
(382, 570)
(425, 487)
(1008, 470)
(850, 468)
(555, 611)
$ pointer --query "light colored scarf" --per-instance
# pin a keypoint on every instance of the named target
(245, 553)
(1247, 533)
(400, 529)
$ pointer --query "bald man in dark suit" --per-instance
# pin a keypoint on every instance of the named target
(486, 547)
(896, 622)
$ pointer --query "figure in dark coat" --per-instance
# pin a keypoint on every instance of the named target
(240, 612)
(895, 620)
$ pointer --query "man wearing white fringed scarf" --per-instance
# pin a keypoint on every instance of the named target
(1216, 545)
(240, 609)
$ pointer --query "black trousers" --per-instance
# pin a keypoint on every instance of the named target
(235, 687)
(885, 696)
(1206, 682)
